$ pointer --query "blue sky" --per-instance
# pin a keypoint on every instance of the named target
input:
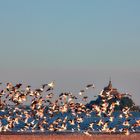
(72, 42)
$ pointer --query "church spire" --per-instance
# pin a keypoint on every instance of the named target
(109, 87)
(110, 84)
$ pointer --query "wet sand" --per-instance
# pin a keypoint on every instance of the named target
(70, 137)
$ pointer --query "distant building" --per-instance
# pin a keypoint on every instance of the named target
(112, 90)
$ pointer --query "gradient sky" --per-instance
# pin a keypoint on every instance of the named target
(73, 42)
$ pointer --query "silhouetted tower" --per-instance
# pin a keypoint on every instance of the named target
(109, 87)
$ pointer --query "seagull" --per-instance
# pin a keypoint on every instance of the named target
(85, 98)
(42, 112)
(91, 125)
(81, 92)
(44, 85)
(18, 85)
(87, 133)
(126, 131)
(71, 122)
(28, 88)
(50, 86)
(50, 95)
(111, 119)
(90, 86)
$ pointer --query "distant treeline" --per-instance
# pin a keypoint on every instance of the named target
(124, 102)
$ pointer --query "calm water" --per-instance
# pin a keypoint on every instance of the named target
(117, 122)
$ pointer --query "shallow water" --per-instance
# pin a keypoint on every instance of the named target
(117, 122)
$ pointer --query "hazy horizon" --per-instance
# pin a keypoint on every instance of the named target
(72, 42)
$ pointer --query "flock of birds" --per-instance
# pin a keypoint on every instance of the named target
(66, 113)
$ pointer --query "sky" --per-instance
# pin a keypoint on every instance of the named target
(73, 43)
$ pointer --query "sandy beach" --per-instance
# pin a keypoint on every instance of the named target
(70, 137)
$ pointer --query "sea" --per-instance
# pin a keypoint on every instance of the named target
(84, 125)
